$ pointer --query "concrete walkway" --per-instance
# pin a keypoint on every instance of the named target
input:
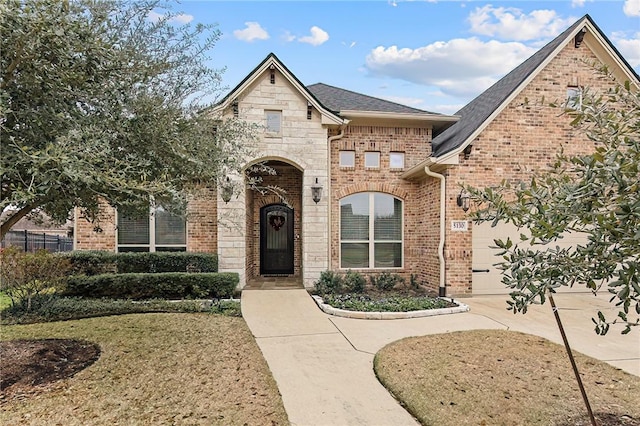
(323, 365)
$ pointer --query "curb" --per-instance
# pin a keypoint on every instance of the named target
(330, 310)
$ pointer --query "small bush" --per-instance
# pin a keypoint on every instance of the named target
(168, 285)
(90, 262)
(230, 308)
(365, 303)
(385, 281)
(56, 308)
(26, 275)
(329, 283)
(93, 262)
(354, 282)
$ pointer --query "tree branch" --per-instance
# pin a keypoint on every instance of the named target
(13, 219)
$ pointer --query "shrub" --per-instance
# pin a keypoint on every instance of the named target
(56, 308)
(92, 262)
(168, 285)
(230, 308)
(354, 282)
(329, 283)
(385, 281)
(25, 275)
(166, 262)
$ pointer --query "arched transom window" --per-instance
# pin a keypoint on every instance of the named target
(370, 231)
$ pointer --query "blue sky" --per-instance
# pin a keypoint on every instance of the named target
(432, 55)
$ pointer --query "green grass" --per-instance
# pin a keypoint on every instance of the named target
(5, 301)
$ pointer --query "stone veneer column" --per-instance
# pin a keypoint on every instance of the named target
(315, 227)
(231, 233)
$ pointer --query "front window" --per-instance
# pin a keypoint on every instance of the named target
(274, 122)
(160, 231)
(372, 159)
(370, 231)
(396, 160)
(347, 158)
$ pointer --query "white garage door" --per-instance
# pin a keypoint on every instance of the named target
(486, 277)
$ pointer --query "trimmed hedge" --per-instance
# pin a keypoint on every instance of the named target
(167, 285)
(103, 262)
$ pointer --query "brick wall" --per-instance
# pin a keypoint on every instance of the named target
(100, 235)
(524, 138)
(417, 200)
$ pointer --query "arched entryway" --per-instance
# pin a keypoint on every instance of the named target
(274, 227)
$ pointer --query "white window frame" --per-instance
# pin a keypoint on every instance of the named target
(351, 156)
(269, 115)
(368, 155)
(397, 154)
(152, 235)
(371, 241)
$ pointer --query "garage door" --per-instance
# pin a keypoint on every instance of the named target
(487, 279)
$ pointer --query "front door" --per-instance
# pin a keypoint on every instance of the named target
(276, 240)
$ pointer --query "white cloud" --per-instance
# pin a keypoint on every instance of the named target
(349, 45)
(459, 67)
(288, 37)
(252, 31)
(577, 3)
(628, 47)
(631, 7)
(513, 24)
(154, 16)
(317, 37)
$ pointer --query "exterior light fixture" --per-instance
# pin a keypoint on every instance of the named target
(316, 191)
(580, 37)
(227, 190)
(463, 200)
(467, 151)
(309, 106)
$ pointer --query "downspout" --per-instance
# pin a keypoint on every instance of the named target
(442, 289)
(329, 140)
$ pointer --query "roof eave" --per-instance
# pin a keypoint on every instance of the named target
(400, 116)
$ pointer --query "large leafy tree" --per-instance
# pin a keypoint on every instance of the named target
(597, 195)
(106, 100)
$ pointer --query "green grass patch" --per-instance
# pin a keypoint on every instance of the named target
(5, 301)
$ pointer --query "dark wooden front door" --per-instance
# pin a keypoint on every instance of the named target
(276, 240)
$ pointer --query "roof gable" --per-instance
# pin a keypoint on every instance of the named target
(476, 115)
(272, 62)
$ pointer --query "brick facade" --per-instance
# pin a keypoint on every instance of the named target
(522, 138)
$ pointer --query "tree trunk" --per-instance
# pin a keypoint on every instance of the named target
(12, 220)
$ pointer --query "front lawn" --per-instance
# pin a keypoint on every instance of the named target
(494, 377)
(158, 368)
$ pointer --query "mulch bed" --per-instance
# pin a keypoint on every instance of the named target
(32, 366)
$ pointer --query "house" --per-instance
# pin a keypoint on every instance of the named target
(372, 185)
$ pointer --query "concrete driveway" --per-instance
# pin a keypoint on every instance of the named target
(323, 365)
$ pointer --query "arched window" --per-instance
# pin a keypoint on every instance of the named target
(370, 231)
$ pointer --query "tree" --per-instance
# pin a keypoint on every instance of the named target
(596, 194)
(24, 276)
(106, 100)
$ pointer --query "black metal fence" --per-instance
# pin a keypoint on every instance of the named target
(33, 241)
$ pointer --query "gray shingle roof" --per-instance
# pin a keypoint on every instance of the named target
(338, 100)
(478, 110)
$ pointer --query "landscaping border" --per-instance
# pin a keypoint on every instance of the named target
(328, 309)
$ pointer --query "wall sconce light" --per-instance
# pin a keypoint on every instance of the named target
(227, 190)
(467, 151)
(463, 200)
(272, 78)
(235, 108)
(316, 191)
